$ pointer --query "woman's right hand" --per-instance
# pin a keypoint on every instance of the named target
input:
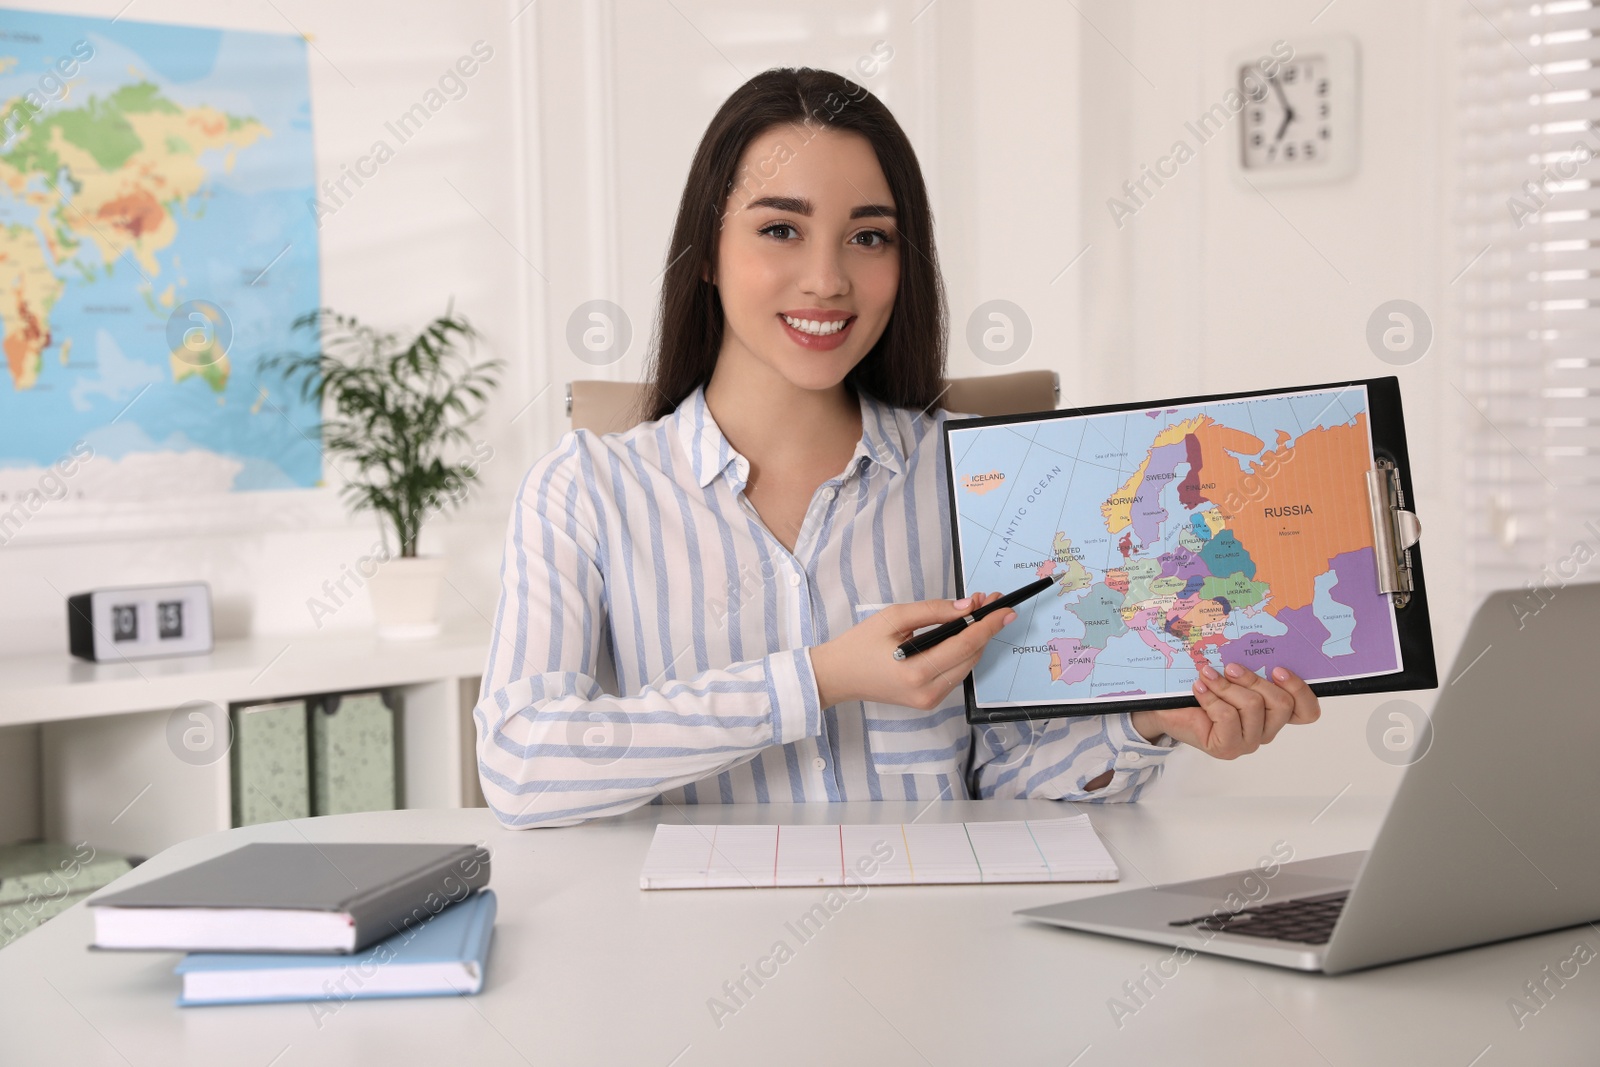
(859, 664)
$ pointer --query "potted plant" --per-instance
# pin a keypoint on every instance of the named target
(397, 409)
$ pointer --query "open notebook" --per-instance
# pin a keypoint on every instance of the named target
(744, 856)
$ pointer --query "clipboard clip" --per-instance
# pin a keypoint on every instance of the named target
(1394, 531)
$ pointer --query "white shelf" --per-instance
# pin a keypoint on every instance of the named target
(53, 688)
(109, 775)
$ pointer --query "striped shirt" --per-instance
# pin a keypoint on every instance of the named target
(652, 638)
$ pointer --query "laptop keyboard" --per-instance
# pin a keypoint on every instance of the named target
(1308, 920)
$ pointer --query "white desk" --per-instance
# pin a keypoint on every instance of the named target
(587, 969)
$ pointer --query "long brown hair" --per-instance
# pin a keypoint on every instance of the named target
(906, 366)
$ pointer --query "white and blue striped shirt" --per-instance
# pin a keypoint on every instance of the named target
(652, 637)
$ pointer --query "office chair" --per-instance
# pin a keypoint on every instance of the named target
(607, 407)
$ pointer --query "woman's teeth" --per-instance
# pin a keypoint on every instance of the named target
(819, 329)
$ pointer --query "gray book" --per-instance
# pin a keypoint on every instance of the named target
(290, 897)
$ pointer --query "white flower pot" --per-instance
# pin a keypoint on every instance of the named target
(405, 597)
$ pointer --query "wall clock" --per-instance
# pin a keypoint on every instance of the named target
(1301, 121)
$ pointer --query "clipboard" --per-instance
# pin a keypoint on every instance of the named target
(1370, 479)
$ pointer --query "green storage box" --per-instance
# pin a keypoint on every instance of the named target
(17, 919)
(48, 869)
(353, 754)
(40, 879)
(270, 762)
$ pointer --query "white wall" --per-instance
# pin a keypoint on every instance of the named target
(568, 155)
(1212, 286)
(393, 255)
(1027, 115)
(629, 87)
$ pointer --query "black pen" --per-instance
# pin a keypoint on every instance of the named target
(924, 641)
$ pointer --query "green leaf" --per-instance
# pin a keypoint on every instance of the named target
(397, 409)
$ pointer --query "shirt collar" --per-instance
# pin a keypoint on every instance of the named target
(710, 453)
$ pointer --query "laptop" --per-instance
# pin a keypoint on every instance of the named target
(1493, 834)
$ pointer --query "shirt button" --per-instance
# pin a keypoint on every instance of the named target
(1133, 757)
(827, 494)
(819, 763)
(794, 579)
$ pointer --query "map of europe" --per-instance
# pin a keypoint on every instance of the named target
(1234, 532)
(155, 243)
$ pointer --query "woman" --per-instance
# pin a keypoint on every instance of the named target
(748, 556)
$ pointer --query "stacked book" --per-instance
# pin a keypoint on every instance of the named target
(314, 922)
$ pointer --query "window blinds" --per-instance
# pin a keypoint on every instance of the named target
(1528, 305)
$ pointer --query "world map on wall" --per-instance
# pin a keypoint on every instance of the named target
(155, 245)
(1235, 532)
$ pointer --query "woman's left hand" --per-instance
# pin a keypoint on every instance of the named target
(1238, 712)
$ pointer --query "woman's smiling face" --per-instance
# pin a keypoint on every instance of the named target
(808, 241)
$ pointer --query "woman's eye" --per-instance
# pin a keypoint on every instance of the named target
(784, 231)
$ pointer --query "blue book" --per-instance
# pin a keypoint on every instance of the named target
(442, 956)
